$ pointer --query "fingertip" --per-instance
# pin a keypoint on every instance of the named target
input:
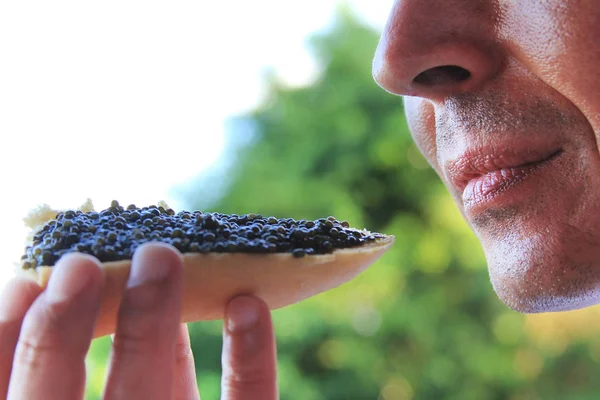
(155, 262)
(158, 253)
(243, 313)
(76, 263)
(20, 283)
(16, 298)
(72, 274)
(78, 258)
(166, 251)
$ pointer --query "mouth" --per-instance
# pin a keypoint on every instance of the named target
(486, 178)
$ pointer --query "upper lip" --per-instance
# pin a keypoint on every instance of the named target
(479, 161)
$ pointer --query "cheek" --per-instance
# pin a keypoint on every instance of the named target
(557, 40)
(420, 115)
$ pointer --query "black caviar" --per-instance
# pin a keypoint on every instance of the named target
(115, 233)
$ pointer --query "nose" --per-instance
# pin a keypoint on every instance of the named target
(435, 48)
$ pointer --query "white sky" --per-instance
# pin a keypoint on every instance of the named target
(126, 99)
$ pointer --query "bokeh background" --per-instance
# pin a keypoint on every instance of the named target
(269, 107)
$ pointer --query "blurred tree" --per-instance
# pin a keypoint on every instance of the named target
(423, 322)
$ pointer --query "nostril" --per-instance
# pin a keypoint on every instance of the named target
(443, 75)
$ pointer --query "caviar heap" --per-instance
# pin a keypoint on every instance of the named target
(115, 233)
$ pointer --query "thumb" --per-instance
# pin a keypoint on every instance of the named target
(249, 353)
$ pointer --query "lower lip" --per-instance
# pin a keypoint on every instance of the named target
(498, 188)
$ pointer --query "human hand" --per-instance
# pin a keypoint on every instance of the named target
(45, 336)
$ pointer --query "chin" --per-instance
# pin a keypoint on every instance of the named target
(544, 257)
(535, 303)
(553, 286)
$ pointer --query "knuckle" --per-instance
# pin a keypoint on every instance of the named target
(47, 333)
(48, 318)
(43, 328)
(41, 335)
(33, 352)
(246, 379)
(183, 353)
(133, 342)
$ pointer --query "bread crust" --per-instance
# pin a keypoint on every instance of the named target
(210, 280)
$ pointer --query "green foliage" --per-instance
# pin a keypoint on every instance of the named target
(423, 322)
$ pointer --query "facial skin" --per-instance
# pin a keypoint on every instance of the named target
(515, 139)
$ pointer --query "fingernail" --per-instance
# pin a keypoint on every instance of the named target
(242, 314)
(149, 264)
(70, 276)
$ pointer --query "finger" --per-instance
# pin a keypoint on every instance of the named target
(147, 326)
(16, 299)
(184, 373)
(249, 353)
(57, 332)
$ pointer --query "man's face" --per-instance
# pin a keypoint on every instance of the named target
(503, 99)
